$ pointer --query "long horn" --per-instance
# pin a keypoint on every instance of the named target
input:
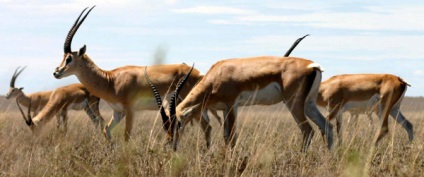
(15, 75)
(173, 103)
(73, 30)
(165, 118)
(28, 120)
(294, 46)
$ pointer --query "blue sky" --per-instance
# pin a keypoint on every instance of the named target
(346, 36)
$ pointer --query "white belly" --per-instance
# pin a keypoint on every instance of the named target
(269, 95)
(142, 104)
(361, 106)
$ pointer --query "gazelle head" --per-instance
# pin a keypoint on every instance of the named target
(70, 60)
(169, 122)
(13, 91)
(28, 119)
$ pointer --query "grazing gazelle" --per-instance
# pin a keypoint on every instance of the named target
(62, 99)
(343, 92)
(260, 80)
(125, 89)
(39, 100)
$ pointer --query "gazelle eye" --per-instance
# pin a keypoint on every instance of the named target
(68, 60)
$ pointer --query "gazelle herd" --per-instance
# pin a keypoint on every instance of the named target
(229, 84)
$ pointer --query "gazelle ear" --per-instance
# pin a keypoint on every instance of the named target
(82, 50)
(21, 88)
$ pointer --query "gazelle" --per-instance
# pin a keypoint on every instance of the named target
(349, 90)
(62, 99)
(125, 89)
(248, 103)
(39, 100)
(259, 80)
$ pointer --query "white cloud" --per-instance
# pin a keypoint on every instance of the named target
(374, 18)
(214, 10)
(58, 7)
(419, 73)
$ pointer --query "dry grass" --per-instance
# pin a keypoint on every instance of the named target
(269, 145)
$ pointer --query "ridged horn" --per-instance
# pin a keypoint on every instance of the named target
(15, 75)
(73, 30)
(294, 46)
(172, 104)
(165, 118)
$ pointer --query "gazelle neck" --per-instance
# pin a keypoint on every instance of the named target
(190, 105)
(23, 99)
(97, 81)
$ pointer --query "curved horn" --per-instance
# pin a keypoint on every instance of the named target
(28, 120)
(15, 75)
(165, 118)
(173, 104)
(294, 45)
(73, 30)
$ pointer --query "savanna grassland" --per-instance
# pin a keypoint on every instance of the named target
(268, 145)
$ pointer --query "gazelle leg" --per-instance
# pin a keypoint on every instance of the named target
(65, 120)
(206, 127)
(128, 123)
(215, 114)
(59, 120)
(92, 110)
(398, 116)
(336, 113)
(383, 114)
(324, 125)
(230, 134)
(116, 118)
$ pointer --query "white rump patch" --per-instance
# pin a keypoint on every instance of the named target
(317, 66)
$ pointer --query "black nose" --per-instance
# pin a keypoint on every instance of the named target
(56, 75)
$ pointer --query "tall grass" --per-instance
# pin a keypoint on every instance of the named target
(269, 144)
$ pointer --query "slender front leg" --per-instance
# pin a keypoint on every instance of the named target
(128, 123)
(230, 134)
(62, 120)
(92, 110)
(59, 120)
(116, 118)
(215, 114)
(65, 120)
(206, 127)
(339, 123)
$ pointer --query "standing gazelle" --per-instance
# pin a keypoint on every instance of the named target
(39, 100)
(264, 79)
(125, 89)
(343, 92)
